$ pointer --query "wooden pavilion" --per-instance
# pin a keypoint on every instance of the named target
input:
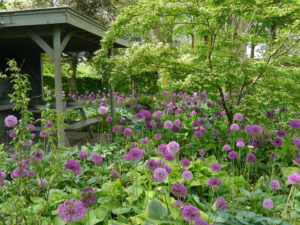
(25, 34)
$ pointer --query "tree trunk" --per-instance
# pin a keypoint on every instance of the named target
(253, 45)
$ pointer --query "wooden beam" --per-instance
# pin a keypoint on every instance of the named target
(58, 84)
(65, 42)
(40, 42)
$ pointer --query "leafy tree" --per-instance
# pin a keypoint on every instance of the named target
(208, 42)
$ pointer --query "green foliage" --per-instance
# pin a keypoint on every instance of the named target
(83, 84)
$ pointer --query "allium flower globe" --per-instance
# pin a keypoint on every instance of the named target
(11, 121)
(151, 164)
(169, 157)
(73, 165)
(71, 210)
(221, 204)
(294, 179)
(215, 167)
(268, 203)
(179, 190)
(115, 174)
(159, 174)
(232, 155)
(214, 181)
(226, 147)
(89, 196)
(187, 175)
(234, 127)
(97, 158)
(185, 162)
(250, 157)
(190, 213)
(178, 204)
(295, 124)
(128, 131)
(102, 110)
(168, 125)
(275, 185)
(83, 155)
(135, 154)
(173, 147)
(238, 117)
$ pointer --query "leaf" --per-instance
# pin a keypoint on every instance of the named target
(118, 211)
(156, 210)
(100, 213)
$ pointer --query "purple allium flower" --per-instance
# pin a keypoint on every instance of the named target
(97, 158)
(215, 167)
(173, 147)
(31, 127)
(30, 173)
(190, 213)
(281, 133)
(178, 204)
(238, 117)
(135, 154)
(122, 120)
(215, 132)
(115, 174)
(11, 121)
(221, 204)
(250, 157)
(145, 141)
(42, 182)
(296, 142)
(294, 179)
(29, 143)
(168, 125)
(157, 136)
(268, 203)
(275, 185)
(294, 124)
(169, 157)
(73, 165)
(38, 155)
(202, 96)
(102, 110)
(232, 155)
(214, 181)
(83, 155)
(2, 177)
(179, 190)
(218, 114)
(161, 164)
(151, 164)
(255, 129)
(44, 133)
(71, 210)
(12, 134)
(164, 93)
(108, 119)
(297, 160)
(89, 196)
(200, 222)
(187, 175)
(177, 123)
(277, 141)
(158, 114)
(168, 169)
(162, 149)
(128, 131)
(48, 124)
(116, 129)
(185, 162)
(20, 171)
(159, 174)
(240, 144)
(202, 152)
(234, 127)
(198, 134)
(226, 147)
(16, 157)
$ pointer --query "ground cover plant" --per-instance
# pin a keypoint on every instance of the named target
(174, 161)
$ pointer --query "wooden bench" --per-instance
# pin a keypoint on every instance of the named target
(74, 125)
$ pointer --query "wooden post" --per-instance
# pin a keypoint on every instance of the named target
(58, 84)
(112, 94)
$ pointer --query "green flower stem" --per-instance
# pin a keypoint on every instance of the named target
(287, 202)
